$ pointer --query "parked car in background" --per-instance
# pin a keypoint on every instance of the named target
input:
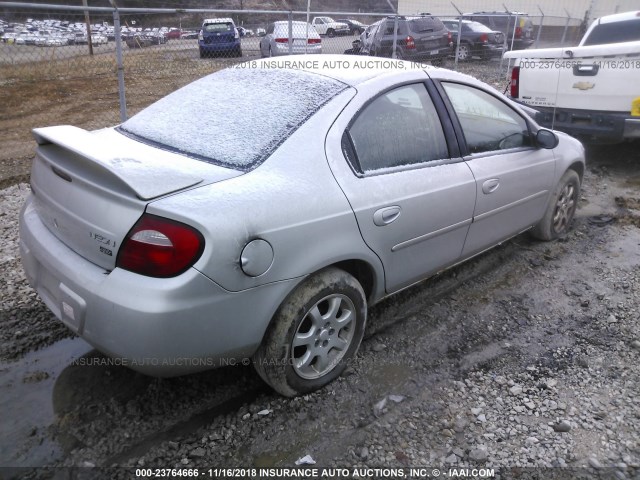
(476, 40)
(140, 40)
(405, 172)
(305, 39)
(174, 33)
(329, 27)
(517, 27)
(219, 36)
(261, 32)
(355, 27)
(422, 38)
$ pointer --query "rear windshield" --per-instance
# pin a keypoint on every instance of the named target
(218, 27)
(234, 118)
(425, 24)
(476, 27)
(627, 31)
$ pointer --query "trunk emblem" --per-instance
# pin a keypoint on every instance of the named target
(584, 85)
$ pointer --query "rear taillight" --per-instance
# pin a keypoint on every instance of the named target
(159, 247)
(515, 82)
(484, 38)
(410, 43)
(518, 32)
(282, 40)
(312, 41)
(449, 38)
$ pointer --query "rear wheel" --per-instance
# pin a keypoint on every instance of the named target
(561, 209)
(314, 333)
(331, 33)
(464, 52)
(438, 62)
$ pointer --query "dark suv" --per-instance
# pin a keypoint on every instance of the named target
(516, 26)
(418, 38)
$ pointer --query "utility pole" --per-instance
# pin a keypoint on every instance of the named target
(87, 20)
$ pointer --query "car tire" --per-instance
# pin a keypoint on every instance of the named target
(331, 33)
(439, 62)
(561, 208)
(314, 334)
(202, 54)
(464, 52)
(239, 52)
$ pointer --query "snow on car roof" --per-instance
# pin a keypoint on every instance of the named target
(235, 117)
(218, 20)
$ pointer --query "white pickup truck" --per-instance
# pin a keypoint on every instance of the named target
(591, 91)
(329, 27)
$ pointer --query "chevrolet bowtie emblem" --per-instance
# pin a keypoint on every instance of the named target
(584, 85)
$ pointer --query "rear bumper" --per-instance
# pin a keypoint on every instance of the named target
(442, 52)
(590, 125)
(283, 49)
(491, 51)
(160, 327)
(219, 46)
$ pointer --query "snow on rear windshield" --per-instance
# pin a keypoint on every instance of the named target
(236, 117)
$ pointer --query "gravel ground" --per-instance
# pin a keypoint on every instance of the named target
(525, 360)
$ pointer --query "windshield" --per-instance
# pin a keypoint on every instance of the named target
(234, 118)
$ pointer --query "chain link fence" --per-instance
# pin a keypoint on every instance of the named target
(94, 67)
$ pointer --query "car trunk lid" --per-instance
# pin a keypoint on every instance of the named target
(91, 187)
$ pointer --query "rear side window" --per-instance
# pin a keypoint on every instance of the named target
(218, 27)
(400, 127)
(627, 31)
(235, 117)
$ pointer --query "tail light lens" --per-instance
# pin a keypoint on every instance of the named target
(282, 40)
(159, 247)
(515, 82)
(312, 41)
(410, 43)
(484, 38)
(450, 38)
(518, 32)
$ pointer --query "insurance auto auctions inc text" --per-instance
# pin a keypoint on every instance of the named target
(365, 473)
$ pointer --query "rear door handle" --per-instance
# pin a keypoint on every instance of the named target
(490, 186)
(386, 215)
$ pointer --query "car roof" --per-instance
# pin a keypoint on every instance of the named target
(218, 20)
(354, 70)
(497, 13)
(619, 17)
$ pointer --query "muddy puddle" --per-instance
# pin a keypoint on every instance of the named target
(28, 403)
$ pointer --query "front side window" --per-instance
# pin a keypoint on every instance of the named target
(400, 127)
(487, 123)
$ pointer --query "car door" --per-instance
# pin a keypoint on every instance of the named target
(413, 203)
(513, 177)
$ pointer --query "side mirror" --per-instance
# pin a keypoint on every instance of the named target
(546, 139)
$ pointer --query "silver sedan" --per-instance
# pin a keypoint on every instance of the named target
(183, 240)
(304, 39)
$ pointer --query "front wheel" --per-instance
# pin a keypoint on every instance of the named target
(561, 209)
(314, 333)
